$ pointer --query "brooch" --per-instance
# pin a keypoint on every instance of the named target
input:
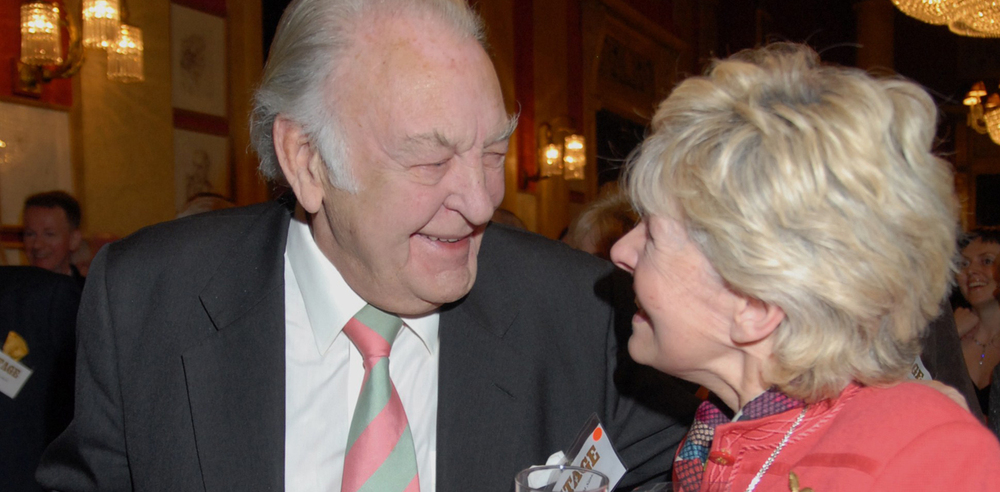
(793, 483)
(15, 346)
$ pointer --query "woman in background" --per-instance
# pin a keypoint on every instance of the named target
(602, 223)
(979, 324)
(797, 235)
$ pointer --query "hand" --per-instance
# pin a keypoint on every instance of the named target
(965, 321)
(946, 390)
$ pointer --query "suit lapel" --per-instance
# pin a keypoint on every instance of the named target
(479, 381)
(236, 378)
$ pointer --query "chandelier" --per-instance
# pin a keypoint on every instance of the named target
(974, 18)
(983, 117)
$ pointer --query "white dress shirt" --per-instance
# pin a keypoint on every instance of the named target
(324, 372)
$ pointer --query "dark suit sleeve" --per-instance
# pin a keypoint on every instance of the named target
(942, 355)
(650, 411)
(63, 306)
(90, 454)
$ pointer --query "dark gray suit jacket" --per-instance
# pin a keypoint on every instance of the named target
(181, 364)
(40, 306)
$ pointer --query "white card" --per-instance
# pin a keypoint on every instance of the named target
(919, 370)
(13, 375)
(595, 453)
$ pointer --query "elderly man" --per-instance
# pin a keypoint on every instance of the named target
(52, 232)
(224, 352)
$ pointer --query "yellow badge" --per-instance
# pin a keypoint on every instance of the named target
(793, 483)
(15, 346)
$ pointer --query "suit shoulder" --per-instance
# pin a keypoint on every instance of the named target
(196, 236)
(28, 279)
(513, 260)
(511, 247)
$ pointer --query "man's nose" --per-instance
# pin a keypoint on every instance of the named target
(470, 193)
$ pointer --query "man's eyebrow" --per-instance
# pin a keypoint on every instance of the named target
(506, 132)
(434, 138)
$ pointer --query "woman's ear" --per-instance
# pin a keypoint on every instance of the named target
(300, 162)
(755, 320)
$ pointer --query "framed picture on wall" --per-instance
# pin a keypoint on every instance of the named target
(198, 60)
(34, 157)
(201, 165)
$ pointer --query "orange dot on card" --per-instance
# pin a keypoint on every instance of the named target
(597, 434)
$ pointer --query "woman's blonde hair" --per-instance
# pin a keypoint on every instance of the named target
(812, 188)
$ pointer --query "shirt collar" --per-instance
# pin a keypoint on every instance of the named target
(329, 300)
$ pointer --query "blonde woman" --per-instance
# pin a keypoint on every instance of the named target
(797, 236)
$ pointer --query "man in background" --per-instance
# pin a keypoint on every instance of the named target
(37, 322)
(52, 232)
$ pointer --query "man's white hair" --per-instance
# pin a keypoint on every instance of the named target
(311, 39)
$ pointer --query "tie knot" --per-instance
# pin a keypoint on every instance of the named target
(372, 331)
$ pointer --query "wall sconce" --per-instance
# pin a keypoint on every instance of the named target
(983, 117)
(574, 157)
(41, 58)
(42, 61)
(125, 55)
(100, 23)
(560, 152)
(41, 37)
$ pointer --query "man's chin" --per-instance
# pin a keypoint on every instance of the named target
(445, 289)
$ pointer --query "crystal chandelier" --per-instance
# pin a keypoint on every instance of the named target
(983, 117)
(974, 18)
(978, 19)
(929, 11)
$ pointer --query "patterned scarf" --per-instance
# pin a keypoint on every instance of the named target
(689, 465)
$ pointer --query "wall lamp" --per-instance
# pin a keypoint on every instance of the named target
(42, 60)
(560, 152)
(983, 117)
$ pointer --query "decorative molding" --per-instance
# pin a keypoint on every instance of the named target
(11, 237)
(214, 7)
(201, 122)
(623, 65)
(640, 23)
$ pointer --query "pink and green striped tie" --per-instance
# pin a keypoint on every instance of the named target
(380, 455)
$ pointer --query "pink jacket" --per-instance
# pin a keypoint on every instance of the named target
(904, 438)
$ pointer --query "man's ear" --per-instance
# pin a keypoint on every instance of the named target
(755, 320)
(75, 238)
(300, 163)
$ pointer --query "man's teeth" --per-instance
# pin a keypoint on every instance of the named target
(432, 238)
